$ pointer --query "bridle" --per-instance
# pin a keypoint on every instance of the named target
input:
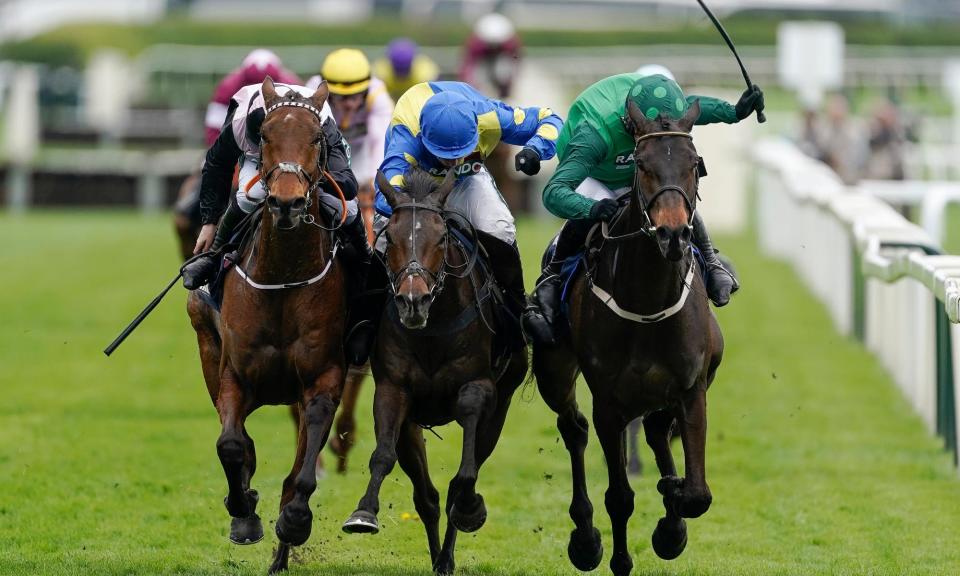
(413, 267)
(649, 228)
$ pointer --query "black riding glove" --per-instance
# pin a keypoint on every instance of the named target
(752, 99)
(604, 209)
(527, 161)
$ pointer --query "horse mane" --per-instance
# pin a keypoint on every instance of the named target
(419, 184)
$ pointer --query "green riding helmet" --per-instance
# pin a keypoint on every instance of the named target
(655, 95)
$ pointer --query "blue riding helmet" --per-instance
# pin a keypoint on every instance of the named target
(448, 125)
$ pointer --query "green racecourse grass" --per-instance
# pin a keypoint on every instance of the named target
(108, 466)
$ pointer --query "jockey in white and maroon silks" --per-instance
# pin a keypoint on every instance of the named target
(255, 67)
(239, 141)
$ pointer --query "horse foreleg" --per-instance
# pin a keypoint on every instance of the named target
(619, 496)
(556, 379)
(343, 437)
(238, 458)
(695, 494)
(319, 406)
(670, 536)
(465, 508)
(389, 412)
(475, 403)
(412, 456)
(634, 466)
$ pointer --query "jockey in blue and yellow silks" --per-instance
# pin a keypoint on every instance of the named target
(437, 124)
(441, 126)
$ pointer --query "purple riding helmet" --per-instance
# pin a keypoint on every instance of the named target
(401, 53)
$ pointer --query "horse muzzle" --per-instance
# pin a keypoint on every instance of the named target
(414, 309)
(286, 213)
(674, 241)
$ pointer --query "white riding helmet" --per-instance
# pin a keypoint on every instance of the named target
(651, 69)
(494, 28)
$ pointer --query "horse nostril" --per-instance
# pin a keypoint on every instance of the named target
(686, 233)
(663, 235)
(272, 202)
(298, 204)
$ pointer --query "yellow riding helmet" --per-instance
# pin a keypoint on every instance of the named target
(347, 71)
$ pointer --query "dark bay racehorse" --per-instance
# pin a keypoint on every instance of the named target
(642, 333)
(434, 361)
(276, 345)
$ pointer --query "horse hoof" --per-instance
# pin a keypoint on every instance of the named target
(444, 566)
(669, 538)
(361, 522)
(294, 524)
(585, 549)
(247, 530)
(469, 520)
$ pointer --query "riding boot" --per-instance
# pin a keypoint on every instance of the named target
(543, 311)
(357, 257)
(508, 272)
(721, 282)
(204, 269)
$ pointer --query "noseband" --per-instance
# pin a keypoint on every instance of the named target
(649, 229)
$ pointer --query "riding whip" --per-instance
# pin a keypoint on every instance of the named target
(146, 311)
(726, 37)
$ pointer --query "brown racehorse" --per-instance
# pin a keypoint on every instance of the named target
(278, 346)
(432, 363)
(644, 348)
(187, 228)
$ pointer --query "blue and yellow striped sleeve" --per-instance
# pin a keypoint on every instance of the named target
(399, 156)
(533, 127)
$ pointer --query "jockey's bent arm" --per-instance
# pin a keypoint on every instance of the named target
(397, 160)
(585, 150)
(338, 162)
(217, 173)
(714, 110)
(534, 127)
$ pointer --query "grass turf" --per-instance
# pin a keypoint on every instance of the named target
(108, 466)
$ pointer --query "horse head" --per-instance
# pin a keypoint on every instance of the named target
(416, 242)
(292, 151)
(667, 175)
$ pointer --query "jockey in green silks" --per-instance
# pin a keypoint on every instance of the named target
(595, 148)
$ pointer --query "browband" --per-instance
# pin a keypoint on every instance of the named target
(652, 134)
(296, 104)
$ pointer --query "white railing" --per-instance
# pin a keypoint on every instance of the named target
(881, 277)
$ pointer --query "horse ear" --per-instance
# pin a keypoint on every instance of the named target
(320, 94)
(690, 118)
(446, 187)
(269, 91)
(387, 189)
(641, 124)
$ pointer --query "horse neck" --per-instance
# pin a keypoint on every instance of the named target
(642, 275)
(282, 256)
